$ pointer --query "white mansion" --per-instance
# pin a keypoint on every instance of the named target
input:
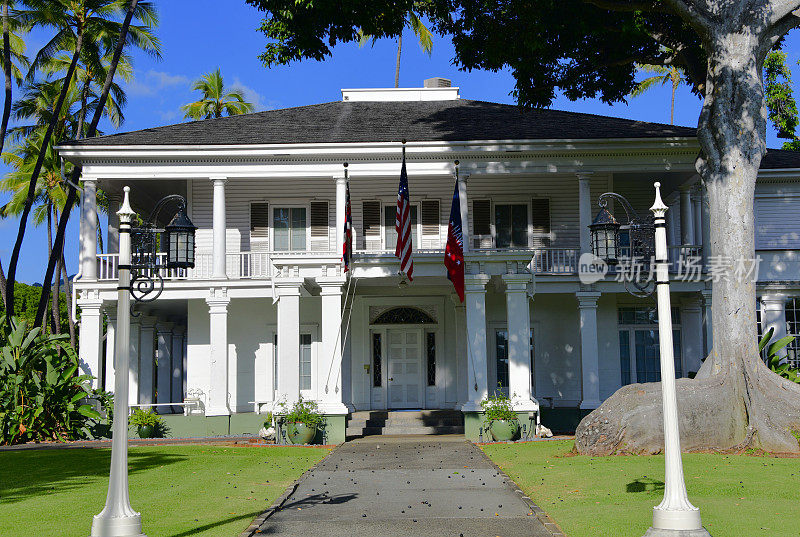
(268, 314)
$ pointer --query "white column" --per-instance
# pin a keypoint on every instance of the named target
(218, 404)
(590, 367)
(708, 327)
(462, 197)
(219, 226)
(774, 316)
(111, 330)
(164, 361)
(341, 199)
(91, 333)
(673, 237)
(462, 360)
(697, 211)
(475, 304)
(584, 210)
(133, 363)
(112, 231)
(329, 365)
(288, 341)
(146, 359)
(692, 320)
(89, 230)
(176, 391)
(519, 337)
(687, 216)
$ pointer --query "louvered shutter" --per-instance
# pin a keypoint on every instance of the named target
(319, 226)
(430, 224)
(371, 224)
(259, 226)
(481, 224)
(540, 220)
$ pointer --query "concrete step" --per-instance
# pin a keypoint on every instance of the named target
(371, 431)
(383, 422)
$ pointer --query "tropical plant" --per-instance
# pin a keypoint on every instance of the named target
(663, 75)
(424, 35)
(148, 423)
(779, 98)
(42, 394)
(302, 411)
(216, 100)
(498, 407)
(777, 363)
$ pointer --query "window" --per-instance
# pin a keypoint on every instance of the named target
(289, 228)
(540, 222)
(501, 356)
(319, 226)
(639, 347)
(793, 329)
(389, 231)
(430, 352)
(259, 226)
(511, 225)
(376, 360)
(305, 361)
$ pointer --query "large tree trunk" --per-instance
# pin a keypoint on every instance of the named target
(735, 402)
(68, 292)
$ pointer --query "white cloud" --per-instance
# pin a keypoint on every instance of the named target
(152, 81)
(259, 102)
(168, 115)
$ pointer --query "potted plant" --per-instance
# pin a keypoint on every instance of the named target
(302, 421)
(147, 422)
(500, 417)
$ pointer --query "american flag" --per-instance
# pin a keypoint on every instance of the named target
(454, 251)
(402, 224)
(347, 247)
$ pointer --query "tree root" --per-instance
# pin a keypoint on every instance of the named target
(719, 411)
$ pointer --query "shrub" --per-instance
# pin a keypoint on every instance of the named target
(302, 412)
(498, 407)
(144, 418)
(774, 360)
(42, 394)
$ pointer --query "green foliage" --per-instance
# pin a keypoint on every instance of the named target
(26, 298)
(42, 394)
(144, 418)
(778, 95)
(498, 407)
(302, 411)
(774, 360)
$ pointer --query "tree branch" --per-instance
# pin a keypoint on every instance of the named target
(790, 21)
(783, 8)
(622, 5)
(689, 12)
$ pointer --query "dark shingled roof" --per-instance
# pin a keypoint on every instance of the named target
(456, 120)
(777, 159)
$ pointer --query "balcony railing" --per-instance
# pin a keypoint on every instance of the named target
(265, 265)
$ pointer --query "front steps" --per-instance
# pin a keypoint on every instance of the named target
(383, 422)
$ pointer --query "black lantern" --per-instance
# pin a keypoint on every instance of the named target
(179, 235)
(605, 237)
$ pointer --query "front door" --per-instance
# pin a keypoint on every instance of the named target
(405, 368)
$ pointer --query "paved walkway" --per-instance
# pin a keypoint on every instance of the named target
(392, 486)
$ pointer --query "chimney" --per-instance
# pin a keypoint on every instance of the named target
(437, 82)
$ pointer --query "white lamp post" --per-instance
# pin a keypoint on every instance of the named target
(674, 516)
(118, 519)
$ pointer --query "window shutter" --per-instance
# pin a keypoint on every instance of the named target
(319, 226)
(371, 224)
(430, 224)
(481, 223)
(540, 220)
(259, 226)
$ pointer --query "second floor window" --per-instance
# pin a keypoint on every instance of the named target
(289, 228)
(511, 225)
(389, 231)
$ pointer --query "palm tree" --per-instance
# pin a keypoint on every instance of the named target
(127, 34)
(216, 100)
(663, 74)
(92, 24)
(422, 32)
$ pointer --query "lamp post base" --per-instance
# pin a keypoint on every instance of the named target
(125, 526)
(660, 532)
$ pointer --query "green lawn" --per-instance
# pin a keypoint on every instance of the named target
(181, 491)
(614, 496)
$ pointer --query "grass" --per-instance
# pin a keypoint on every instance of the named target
(181, 491)
(614, 496)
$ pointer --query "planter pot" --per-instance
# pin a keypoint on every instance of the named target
(146, 431)
(504, 430)
(300, 433)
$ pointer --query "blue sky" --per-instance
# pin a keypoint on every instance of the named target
(198, 37)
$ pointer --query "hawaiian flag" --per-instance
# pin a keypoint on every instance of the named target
(454, 251)
(347, 247)
(402, 223)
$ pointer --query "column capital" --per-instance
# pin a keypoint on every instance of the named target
(584, 175)
(218, 178)
(147, 321)
(340, 179)
(92, 306)
(475, 283)
(517, 283)
(773, 301)
(164, 327)
(587, 299)
(288, 286)
(706, 294)
(89, 179)
(178, 330)
(331, 285)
